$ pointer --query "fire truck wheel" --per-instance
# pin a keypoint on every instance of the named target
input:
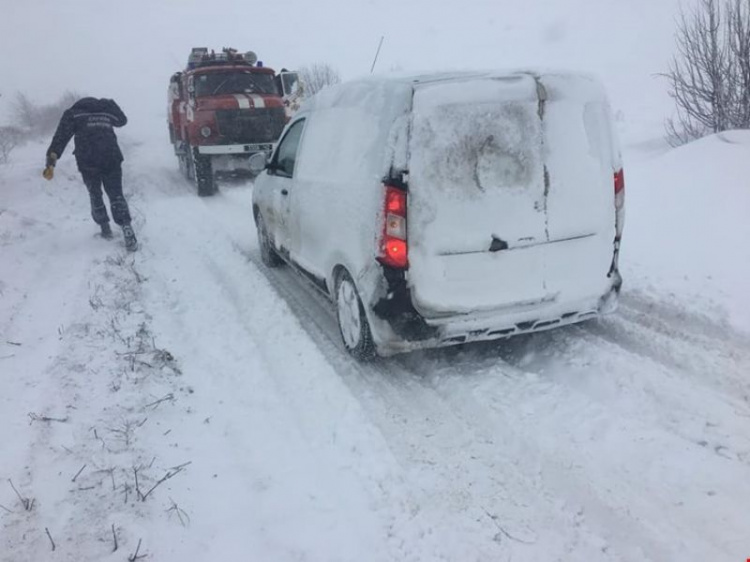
(185, 166)
(204, 175)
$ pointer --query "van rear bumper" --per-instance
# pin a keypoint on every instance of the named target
(399, 327)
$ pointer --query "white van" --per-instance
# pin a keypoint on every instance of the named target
(440, 209)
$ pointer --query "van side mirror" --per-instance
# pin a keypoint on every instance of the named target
(257, 162)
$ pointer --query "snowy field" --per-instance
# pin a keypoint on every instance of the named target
(187, 404)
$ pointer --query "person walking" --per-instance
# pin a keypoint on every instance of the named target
(91, 121)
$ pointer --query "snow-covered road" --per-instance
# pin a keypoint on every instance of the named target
(625, 439)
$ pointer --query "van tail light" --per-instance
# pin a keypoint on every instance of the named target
(614, 273)
(394, 250)
(619, 181)
(619, 202)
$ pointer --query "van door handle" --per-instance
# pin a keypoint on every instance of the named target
(498, 244)
(285, 191)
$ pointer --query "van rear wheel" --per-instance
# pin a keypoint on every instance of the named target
(352, 320)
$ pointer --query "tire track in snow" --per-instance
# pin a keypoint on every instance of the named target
(627, 474)
(704, 406)
(714, 356)
(456, 459)
(403, 400)
(698, 383)
(463, 480)
(468, 408)
(480, 445)
(308, 386)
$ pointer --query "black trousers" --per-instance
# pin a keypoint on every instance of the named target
(111, 179)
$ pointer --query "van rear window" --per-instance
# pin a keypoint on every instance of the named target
(475, 148)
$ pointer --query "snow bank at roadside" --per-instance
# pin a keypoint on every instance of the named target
(687, 227)
(87, 400)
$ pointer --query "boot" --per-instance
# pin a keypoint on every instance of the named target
(106, 230)
(131, 242)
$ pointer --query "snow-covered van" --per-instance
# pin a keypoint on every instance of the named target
(441, 209)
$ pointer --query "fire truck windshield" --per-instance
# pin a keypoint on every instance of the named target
(234, 83)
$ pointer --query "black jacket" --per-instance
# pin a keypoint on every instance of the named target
(91, 120)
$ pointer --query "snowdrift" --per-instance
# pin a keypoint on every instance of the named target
(687, 226)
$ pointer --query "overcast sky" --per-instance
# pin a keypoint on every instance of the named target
(128, 49)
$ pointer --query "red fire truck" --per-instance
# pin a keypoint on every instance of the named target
(223, 108)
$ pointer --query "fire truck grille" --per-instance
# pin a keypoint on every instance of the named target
(238, 126)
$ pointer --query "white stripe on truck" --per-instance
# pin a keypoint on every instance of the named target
(242, 101)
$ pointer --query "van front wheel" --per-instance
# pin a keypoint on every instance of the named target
(268, 254)
(352, 320)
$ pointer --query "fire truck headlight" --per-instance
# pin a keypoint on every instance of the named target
(206, 131)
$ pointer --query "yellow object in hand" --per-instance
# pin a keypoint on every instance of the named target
(49, 170)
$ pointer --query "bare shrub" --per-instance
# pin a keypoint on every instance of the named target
(738, 29)
(40, 119)
(317, 76)
(709, 78)
(10, 138)
(26, 112)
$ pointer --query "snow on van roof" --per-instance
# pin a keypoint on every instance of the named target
(557, 83)
(424, 77)
(567, 83)
(376, 102)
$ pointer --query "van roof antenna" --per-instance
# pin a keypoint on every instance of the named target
(377, 53)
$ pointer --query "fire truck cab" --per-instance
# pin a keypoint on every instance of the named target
(223, 108)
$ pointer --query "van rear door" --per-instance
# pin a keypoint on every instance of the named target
(581, 159)
(477, 219)
(511, 193)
